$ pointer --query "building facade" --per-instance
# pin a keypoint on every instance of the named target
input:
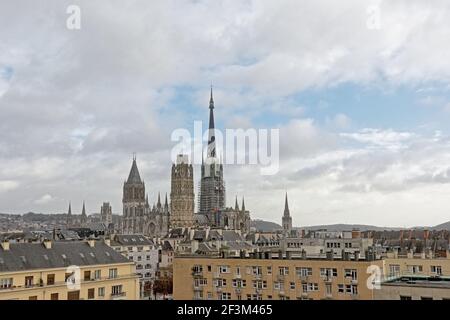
(270, 279)
(144, 254)
(40, 271)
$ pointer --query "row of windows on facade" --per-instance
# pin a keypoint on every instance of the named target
(394, 269)
(116, 290)
(6, 283)
(277, 285)
(282, 271)
(306, 288)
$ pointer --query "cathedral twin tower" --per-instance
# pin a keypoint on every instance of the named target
(155, 221)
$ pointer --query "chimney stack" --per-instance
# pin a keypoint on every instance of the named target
(5, 245)
(47, 244)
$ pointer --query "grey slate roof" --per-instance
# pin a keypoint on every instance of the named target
(131, 240)
(29, 256)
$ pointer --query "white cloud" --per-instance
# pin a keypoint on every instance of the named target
(46, 198)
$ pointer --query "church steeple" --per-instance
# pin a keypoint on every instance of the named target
(159, 200)
(286, 219)
(166, 203)
(236, 205)
(134, 176)
(243, 205)
(83, 219)
(211, 131)
(69, 215)
(286, 207)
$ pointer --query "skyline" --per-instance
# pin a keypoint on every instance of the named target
(363, 120)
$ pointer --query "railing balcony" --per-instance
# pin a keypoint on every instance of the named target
(118, 296)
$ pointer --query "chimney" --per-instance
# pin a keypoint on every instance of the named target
(5, 245)
(426, 234)
(91, 243)
(47, 244)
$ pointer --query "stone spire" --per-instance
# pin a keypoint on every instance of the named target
(166, 203)
(236, 205)
(159, 200)
(286, 207)
(69, 215)
(83, 215)
(134, 176)
(286, 219)
(243, 205)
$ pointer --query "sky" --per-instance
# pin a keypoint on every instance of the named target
(360, 91)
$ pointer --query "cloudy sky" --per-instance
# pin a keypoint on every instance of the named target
(360, 91)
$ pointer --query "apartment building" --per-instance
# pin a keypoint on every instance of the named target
(79, 270)
(144, 254)
(422, 265)
(203, 278)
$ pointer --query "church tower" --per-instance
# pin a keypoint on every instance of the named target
(182, 193)
(106, 213)
(212, 185)
(287, 219)
(83, 220)
(69, 216)
(133, 201)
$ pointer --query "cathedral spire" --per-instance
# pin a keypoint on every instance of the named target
(286, 207)
(211, 133)
(166, 204)
(236, 205)
(159, 200)
(243, 204)
(69, 212)
(83, 212)
(134, 176)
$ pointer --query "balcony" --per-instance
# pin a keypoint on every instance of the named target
(354, 281)
(219, 289)
(238, 276)
(216, 275)
(304, 279)
(198, 288)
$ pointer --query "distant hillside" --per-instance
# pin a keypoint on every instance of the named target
(442, 226)
(349, 227)
(265, 226)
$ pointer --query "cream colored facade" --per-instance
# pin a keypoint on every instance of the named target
(65, 271)
(241, 279)
(416, 266)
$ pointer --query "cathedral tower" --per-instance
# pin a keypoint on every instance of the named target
(106, 213)
(182, 193)
(133, 201)
(212, 185)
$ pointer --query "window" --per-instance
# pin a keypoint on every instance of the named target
(238, 271)
(116, 290)
(101, 292)
(6, 283)
(351, 289)
(91, 293)
(312, 287)
(50, 279)
(87, 275)
(351, 273)
(283, 271)
(415, 269)
(224, 269)
(405, 298)
(303, 272)
(436, 270)
(200, 282)
(226, 296)
(394, 270)
(426, 298)
(256, 270)
(292, 285)
(328, 272)
(54, 296)
(29, 281)
(32, 298)
(238, 283)
(113, 273)
(340, 288)
(269, 270)
(197, 268)
(328, 289)
(97, 274)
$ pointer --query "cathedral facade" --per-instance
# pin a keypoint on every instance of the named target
(155, 221)
(138, 216)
